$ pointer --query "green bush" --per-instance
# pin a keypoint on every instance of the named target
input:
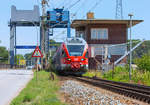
(92, 74)
(143, 63)
(141, 77)
(119, 74)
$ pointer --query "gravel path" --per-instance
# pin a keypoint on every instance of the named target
(78, 94)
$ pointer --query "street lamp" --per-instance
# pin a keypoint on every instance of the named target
(130, 15)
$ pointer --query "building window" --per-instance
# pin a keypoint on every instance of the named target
(99, 33)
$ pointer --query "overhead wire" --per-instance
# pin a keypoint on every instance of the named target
(56, 25)
(96, 4)
(67, 8)
(51, 4)
(93, 7)
(62, 4)
(68, 2)
(86, 7)
(72, 5)
(79, 8)
(57, 3)
(65, 2)
(57, 36)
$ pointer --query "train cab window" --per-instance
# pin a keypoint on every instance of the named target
(75, 50)
(64, 54)
(86, 55)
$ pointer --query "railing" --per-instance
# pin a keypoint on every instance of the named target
(5, 66)
(8, 66)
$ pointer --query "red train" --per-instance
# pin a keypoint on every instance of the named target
(71, 56)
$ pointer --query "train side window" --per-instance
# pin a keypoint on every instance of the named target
(64, 54)
(86, 55)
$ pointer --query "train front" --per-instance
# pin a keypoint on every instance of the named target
(76, 59)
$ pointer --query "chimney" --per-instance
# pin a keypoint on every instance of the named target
(90, 15)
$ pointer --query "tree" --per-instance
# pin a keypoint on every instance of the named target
(143, 63)
(29, 59)
(19, 57)
(3, 55)
(143, 49)
(53, 43)
(28, 56)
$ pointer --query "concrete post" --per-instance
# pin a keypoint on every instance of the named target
(12, 45)
(130, 45)
(15, 45)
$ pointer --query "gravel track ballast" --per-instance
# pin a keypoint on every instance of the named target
(79, 94)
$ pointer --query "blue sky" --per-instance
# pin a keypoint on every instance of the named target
(105, 10)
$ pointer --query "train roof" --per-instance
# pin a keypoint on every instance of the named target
(75, 40)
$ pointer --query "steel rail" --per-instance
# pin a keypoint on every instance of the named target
(134, 91)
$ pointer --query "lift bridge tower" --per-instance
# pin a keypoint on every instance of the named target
(119, 10)
(57, 18)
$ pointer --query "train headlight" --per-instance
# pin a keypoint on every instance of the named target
(82, 59)
(68, 59)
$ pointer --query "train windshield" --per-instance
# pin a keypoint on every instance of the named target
(75, 50)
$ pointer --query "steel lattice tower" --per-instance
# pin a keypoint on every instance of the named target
(119, 10)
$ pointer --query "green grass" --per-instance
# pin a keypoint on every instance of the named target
(92, 73)
(43, 92)
(121, 74)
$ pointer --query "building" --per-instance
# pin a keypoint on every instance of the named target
(106, 38)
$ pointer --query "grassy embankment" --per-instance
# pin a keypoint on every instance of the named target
(122, 74)
(43, 92)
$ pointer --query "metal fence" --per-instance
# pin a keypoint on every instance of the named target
(8, 66)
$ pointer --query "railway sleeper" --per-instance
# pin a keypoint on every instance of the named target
(127, 88)
(115, 89)
(135, 86)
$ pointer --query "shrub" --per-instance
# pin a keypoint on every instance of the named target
(143, 63)
(119, 74)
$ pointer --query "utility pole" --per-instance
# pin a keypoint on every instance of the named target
(43, 25)
(130, 15)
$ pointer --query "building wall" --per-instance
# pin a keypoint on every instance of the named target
(93, 64)
(114, 53)
(117, 34)
(112, 49)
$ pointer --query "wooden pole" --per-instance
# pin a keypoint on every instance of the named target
(36, 69)
(113, 70)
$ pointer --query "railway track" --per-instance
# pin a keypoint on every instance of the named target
(139, 92)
